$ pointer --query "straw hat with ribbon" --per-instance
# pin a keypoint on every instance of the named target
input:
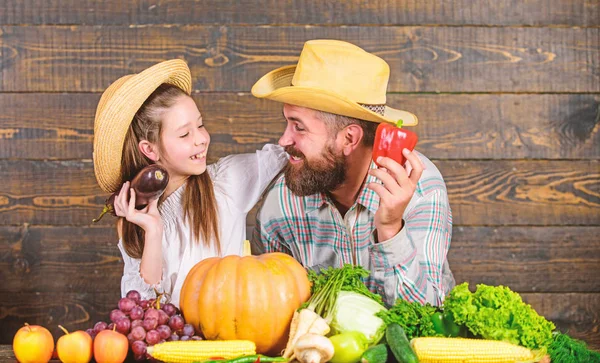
(116, 109)
(335, 77)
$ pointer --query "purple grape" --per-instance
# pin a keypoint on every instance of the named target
(126, 304)
(169, 308)
(152, 313)
(134, 295)
(144, 304)
(116, 314)
(91, 332)
(135, 323)
(123, 325)
(138, 333)
(136, 313)
(188, 329)
(152, 337)
(130, 338)
(176, 322)
(110, 326)
(164, 331)
(100, 326)
(163, 318)
(149, 324)
(184, 338)
(139, 348)
(174, 337)
(195, 337)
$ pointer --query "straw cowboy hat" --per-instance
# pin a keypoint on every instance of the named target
(335, 77)
(116, 109)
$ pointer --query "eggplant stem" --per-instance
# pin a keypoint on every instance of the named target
(107, 208)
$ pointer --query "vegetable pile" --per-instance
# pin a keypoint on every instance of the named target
(341, 321)
(490, 313)
(344, 322)
(341, 305)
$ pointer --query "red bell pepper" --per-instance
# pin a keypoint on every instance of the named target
(390, 140)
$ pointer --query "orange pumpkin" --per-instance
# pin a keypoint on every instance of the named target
(251, 297)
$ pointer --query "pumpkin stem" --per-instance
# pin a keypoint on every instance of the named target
(246, 251)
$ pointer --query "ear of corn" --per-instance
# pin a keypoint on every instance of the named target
(198, 350)
(460, 350)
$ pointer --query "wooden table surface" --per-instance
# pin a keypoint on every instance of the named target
(6, 354)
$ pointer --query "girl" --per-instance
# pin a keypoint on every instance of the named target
(150, 118)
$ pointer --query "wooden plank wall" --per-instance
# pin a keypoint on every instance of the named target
(507, 91)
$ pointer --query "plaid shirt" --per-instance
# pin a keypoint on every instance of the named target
(411, 265)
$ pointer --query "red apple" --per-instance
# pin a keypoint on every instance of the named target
(110, 347)
(33, 344)
(74, 347)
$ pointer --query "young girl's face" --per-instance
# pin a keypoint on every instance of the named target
(184, 140)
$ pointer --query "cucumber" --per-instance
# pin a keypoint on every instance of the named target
(399, 344)
(376, 354)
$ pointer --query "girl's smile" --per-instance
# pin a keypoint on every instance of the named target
(200, 156)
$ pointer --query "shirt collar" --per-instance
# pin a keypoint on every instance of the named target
(367, 197)
(315, 201)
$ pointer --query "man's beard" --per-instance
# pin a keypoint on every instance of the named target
(315, 176)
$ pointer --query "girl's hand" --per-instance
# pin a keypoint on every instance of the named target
(148, 218)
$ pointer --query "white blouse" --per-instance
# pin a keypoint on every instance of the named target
(239, 181)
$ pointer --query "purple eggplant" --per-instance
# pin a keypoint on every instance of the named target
(149, 184)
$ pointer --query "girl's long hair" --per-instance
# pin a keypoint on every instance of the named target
(199, 203)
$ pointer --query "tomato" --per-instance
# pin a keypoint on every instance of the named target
(348, 347)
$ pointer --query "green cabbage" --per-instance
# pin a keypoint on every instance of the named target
(356, 312)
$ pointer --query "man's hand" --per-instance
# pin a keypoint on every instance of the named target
(395, 193)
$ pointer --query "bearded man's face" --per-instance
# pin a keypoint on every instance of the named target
(306, 176)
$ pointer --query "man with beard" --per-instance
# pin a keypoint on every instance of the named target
(332, 205)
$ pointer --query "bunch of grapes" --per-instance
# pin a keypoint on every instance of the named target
(145, 324)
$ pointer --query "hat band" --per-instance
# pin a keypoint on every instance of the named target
(378, 109)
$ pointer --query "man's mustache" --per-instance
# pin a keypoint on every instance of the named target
(292, 151)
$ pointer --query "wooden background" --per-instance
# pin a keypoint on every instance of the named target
(507, 91)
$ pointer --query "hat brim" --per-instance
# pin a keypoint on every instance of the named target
(277, 86)
(117, 107)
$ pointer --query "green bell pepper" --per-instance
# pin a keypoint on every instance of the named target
(444, 325)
